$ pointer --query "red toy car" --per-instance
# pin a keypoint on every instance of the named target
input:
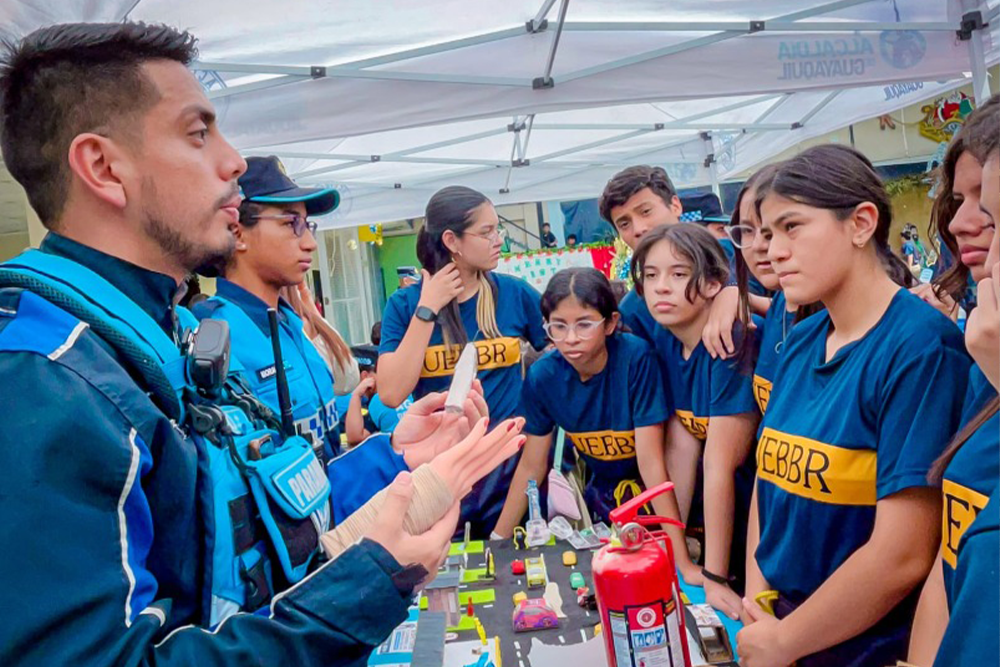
(534, 615)
(517, 567)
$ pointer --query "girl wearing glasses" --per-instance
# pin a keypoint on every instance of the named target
(678, 270)
(866, 396)
(274, 247)
(779, 315)
(461, 300)
(605, 390)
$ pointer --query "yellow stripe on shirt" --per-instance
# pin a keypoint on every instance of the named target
(439, 360)
(961, 507)
(817, 471)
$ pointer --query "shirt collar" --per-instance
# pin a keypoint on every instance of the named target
(153, 292)
(251, 304)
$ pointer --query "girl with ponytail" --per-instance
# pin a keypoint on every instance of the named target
(844, 525)
(461, 300)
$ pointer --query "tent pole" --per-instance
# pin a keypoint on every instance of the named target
(545, 81)
(977, 58)
(711, 163)
(324, 277)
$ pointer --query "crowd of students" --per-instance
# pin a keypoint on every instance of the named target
(829, 432)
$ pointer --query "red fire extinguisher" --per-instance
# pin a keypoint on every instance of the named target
(638, 594)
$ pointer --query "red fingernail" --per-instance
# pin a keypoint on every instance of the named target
(510, 426)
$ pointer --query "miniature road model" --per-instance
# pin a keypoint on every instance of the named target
(534, 615)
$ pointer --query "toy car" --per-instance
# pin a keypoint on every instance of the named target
(517, 566)
(569, 558)
(534, 615)
(535, 571)
(576, 580)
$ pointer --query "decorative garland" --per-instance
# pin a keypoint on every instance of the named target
(543, 252)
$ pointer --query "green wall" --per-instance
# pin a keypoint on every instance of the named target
(396, 251)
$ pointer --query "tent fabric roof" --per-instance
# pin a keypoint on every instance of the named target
(544, 99)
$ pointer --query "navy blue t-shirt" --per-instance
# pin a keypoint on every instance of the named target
(839, 435)
(703, 387)
(974, 599)
(971, 475)
(777, 325)
(518, 315)
(599, 415)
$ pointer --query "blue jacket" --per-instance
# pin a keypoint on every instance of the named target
(105, 518)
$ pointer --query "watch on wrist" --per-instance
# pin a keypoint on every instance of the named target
(425, 314)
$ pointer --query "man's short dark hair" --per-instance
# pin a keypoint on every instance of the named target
(63, 80)
(627, 182)
(571, 236)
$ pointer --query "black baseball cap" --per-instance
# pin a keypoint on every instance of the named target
(703, 208)
(266, 182)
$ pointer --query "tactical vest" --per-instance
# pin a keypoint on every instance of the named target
(271, 495)
(310, 383)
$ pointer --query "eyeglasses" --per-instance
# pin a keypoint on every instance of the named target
(742, 236)
(492, 237)
(585, 329)
(299, 223)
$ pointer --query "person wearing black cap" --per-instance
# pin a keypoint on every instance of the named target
(274, 247)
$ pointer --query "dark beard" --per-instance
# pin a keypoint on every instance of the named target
(203, 260)
(192, 258)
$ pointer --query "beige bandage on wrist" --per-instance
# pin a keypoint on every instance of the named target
(431, 500)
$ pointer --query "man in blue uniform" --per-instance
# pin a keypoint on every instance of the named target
(105, 522)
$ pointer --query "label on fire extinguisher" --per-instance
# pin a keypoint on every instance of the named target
(647, 635)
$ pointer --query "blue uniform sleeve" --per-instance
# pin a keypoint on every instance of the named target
(971, 637)
(631, 309)
(537, 420)
(920, 407)
(395, 321)
(651, 402)
(384, 418)
(359, 474)
(531, 307)
(76, 537)
(732, 389)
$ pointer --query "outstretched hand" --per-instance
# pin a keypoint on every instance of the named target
(478, 454)
(426, 429)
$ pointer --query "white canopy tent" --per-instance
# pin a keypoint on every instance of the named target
(532, 100)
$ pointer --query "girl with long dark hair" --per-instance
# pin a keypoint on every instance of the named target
(678, 270)
(961, 591)
(867, 395)
(461, 300)
(957, 220)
